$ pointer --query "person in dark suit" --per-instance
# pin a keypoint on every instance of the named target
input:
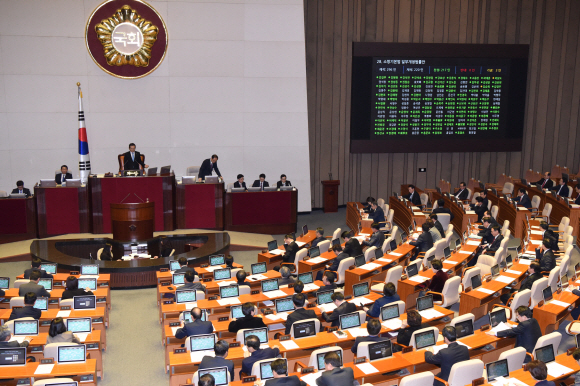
(378, 214)
(485, 233)
(283, 182)
(64, 175)
(291, 249)
(479, 208)
(280, 372)
(413, 196)
(229, 260)
(527, 332)
(534, 273)
(248, 321)
(328, 284)
(523, 199)
(447, 357)
(437, 224)
(492, 221)
(413, 323)
(183, 268)
(240, 182)
(2, 293)
(132, 159)
(319, 237)
(539, 372)
(21, 189)
(487, 239)
(369, 207)
(197, 327)
(35, 266)
(377, 238)
(261, 183)
(562, 189)
(438, 280)
(220, 349)
(545, 256)
(256, 354)
(190, 283)
(286, 277)
(33, 286)
(351, 245)
(390, 295)
(423, 243)
(374, 329)
(207, 166)
(462, 193)
(483, 194)
(495, 243)
(333, 374)
(300, 313)
(107, 253)
(165, 247)
(72, 289)
(6, 335)
(546, 182)
(442, 209)
(577, 200)
(548, 233)
(342, 308)
(28, 311)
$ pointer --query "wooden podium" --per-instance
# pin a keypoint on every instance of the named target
(133, 222)
(330, 195)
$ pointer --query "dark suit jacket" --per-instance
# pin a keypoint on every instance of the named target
(33, 287)
(415, 199)
(195, 328)
(246, 322)
(494, 246)
(279, 184)
(129, 164)
(291, 250)
(577, 201)
(446, 358)
(43, 273)
(186, 269)
(444, 210)
(208, 362)
(206, 168)
(334, 318)
(361, 339)
(529, 281)
(378, 215)
(523, 201)
(316, 241)
(292, 380)
(2, 293)
(237, 185)
(375, 310)
(326, 288)
(24, 190)
(58, 177)
(258, 355)
(479, 210)
(462, 194)
(352, 248)
(547, 260)
(439, 227)
(256, 184)
(299, 314)
(13, 344)
(25, 312)
(377, 239)
(336, 377)
(485, 235)
(526, 333)
(561, 190)
(68, 294)
(424, 242)
(404, 336)
(553, 237)
(549, 184)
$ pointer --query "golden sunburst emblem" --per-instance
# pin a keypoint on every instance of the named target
(127, 38)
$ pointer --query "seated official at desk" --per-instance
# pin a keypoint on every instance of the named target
(539, 372)
(240, 182)
(299, 313)
(546, 182)
(462, 193)
(57, 333)
(334, 375)
(190, 283)
(255, 354)
(220, 350)
(523, 199)
(207, 167)
(28, 311)
(527, 332)
(241, 276)
(377, 238)
(261, 183)
(550, 234)
(333, 267)
(413, 196)
(374, 329)
(423, 243)
(492, 221)
(437, 282)
(21, 189)
(291, 249)
(183, 268)
(132, 159)
(378, 214)
(328, 279)
(197, 327)
(434, 232)
(229, 260)
(545, 256)
(165, 247)
(107, 254)
(495, 242)
(413, 323)
(576, 356)
(248, 321)
(342, 307)
(437, 224)
(390, 295)
(280, 373)
(319, 237)
(63, 175)
(33, 286)
(369, 207)
(485, 231)
(72, 289)
(447, 357)
(286, 277)
(35, 266)
(489, 240)
(351, 245)
(534, 273)
(6, 335)
(577, 200)
(562, 189)
(442, 209)
(283, 182)
(478, 208)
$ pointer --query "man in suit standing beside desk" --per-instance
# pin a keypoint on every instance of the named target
(261, 183)
(527, 332)
(442, 209)
(351, 245)
(283, 182)
(63, 175)
(300, 313)
(523, 199)
(334, 375)
(462, 193)
(546, 182)
(196, 327)
(447, 357)
(240, 182)
(413, 196)
(207, 167)
(220, 349)
(562, 189)
(21, 189)
(132, 159)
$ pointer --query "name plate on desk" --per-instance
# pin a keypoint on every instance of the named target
(332, 329)
(207, 279)
(478, 382)
(307, 370)
(285, 337)
(179, 350)
(204, 266)
(164, 270)
(235, 344)
(485, 327)
(249, 379)
(168, 302)
(291, 285)
(255, 292)
(360, 360)
(310, 305)
(23, 382)
(224, 319)
(47, 361)
(174, 324)
(64, 308)
(165, 283)
(407, 349)
(267, 311)
(73, 273)
(212, 298)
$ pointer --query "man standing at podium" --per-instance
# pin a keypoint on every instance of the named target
(132, 159)
(207, 167)
(63, 175)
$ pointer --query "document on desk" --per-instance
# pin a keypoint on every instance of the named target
(275, 294)
(360, 238)
(211, 269)
(268, 303)
(89, 277)
(536, 232)
(500, 327)
(370, 266)
(174, 330)
(223, 283)
(485, 290)
(327, 307)
(438, 348)
(501, 381)
(430, 314)
(311, 378)
(44, 369)
(470, 212)
(226, 301)
(418, 279)
(451, 262)
(525, 261)
(289, 345)
(535, 242)
(317, 260)
(18, 339)
(418, 214)
(466, 252)
(63, 314)
(355, 332)
(392, 324)
(512, 271)
(561, 304)
(473, 242)
(556, 370)
(385, 260)
(360, 301)
(300, 243)
(504, 279)
(276, 252)
(281, 315)
(367, 368)
(258, 276)
(197, 356)
(272, 327)
(364, 234)
(310, 287)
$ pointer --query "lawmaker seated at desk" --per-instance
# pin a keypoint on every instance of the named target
(197, 327)
(413, 196)
(333, 267)
(534, 273)
(562, 188)
(423, 243)
(544, 255)
(433, 230)
(351, 245)
(437, 225)
(35, 266)
(220, 350)
(492, 247)
(283, 182)
(548, 233)
(286, 277)
(378, 214)
(64, 175)
(523, 199)
(377, 238)
(208, 166)
(479, 208)
(190, 283)
(248, 321)
(241, 276)
(132, 159)
(413, 323)
(299, 313)
(319, 237)
(183, 268)
(28, 311)
(369, 208)
(280, 373)
(576, 356)
(261, 182)
(229, 261)
(447, 357)
(57, 333)
(240, 182)
(577, 200)
(291, 249)
(462, 192)
(33, 286)
(72, 289)
(342, 307)
(6, 335)
(442, 209)
(334, 375)
(390, 295)
(527, 332)
(20, 189)
(539, 372)
(328, 284)
(546, 182)
(255, 354)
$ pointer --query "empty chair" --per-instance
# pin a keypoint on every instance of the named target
(444, 219)
(536, 200)
(316, 325)
(336, 234)
(324, 246)
(424, 200)
(19, 282)
(545, 213)
(387, 245)
(393, 276)
(485, 262)
(192, 171)
(426, 256)
(468, 274)
(17, 301)
(473, 199)
(342, 267)
(421, 379)
(450, 292)
(508, 189)
(381, 202)
(435, 331)
(463, 373)
(537, 288)
(230, 186)
(397, 234)
(70, 302)
(3, 193)
(515, 357)
(494, 210)
(521, 298)
(554, 278)
(506, 225)
(369, 253)
(440, 249)
(401, 305)
(565, 261)
(388, 222)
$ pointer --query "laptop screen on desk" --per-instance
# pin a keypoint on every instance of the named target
(547, 293)
(62, 384)
(324, 297)
(497, 369)
(349, 321)
(266, 370)
(187, 318)
(89, 269)
(72, 354)
(12, 356)
(88, 283)
(495, 270)
(320, 358)
(393, 245)
(41, 304)
(222, 274)
(335, 242)
(361, 289)
(201, 342)
(412, 270)
(229, 291)
(4, 282)
(87, 302)
(380, 350)
(261, 333)
(447, 252)
(425, 339)
(174, 265)
(25, 327)
(359, 260)
(475, 281)
(79, 324)
(497, 317)
(178, 278)
(217, 260)
(378, 253)
(258, 268)
(236, 312)
(306, 278)
(46, 283)
(314, 252)
(304, 329)
(284, 305)
(272, 245)
(464, 328)
(305, 230)
(185, 296)
(390, 311)
(270, 285)
(219, 374)
(49, 268)
(545, 354)
(424, 302)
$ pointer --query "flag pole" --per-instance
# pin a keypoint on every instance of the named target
(84, 159)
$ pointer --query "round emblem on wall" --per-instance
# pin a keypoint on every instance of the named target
(126, 38)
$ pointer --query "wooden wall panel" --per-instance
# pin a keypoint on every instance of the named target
(552, 118)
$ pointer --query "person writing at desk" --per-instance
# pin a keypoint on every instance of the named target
(291, 249)
(208, 166)
(351, 245)
(72, 289)
(377, 238)
(6, 335)
(523, 199)
(240, 182)
(20, 189)
(562, 189)
(368, 208)
(413, 196)
(283, 182)
(132, 159)
(63, 175)
(442, 209)
(342, 308)
(261, 183)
